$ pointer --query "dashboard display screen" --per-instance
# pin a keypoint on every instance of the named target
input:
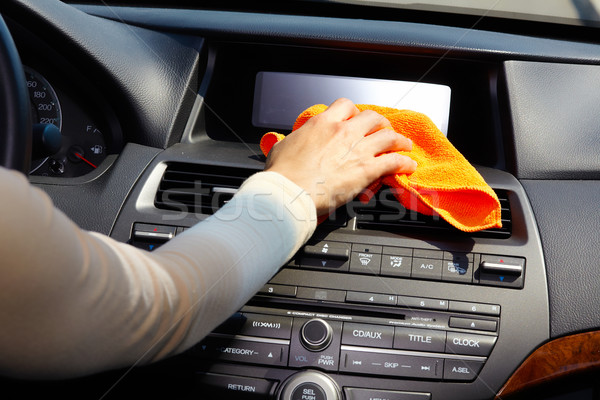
(279, 97)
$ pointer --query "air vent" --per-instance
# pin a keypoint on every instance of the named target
(384, 212)
(198, 188)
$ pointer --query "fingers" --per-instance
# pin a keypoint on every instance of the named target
(393, 163)
(384, 141)
(367, 122)
(342, 109)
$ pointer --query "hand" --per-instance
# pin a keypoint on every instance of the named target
(339, 152)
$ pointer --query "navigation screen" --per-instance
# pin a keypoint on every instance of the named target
(279, 97)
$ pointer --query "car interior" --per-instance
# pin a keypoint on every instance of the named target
(147, 117)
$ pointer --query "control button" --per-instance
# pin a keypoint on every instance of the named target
(398, 365)
(420, 339)
(434, 254)
(279, 290)
(330, 250)
(308, 391)
(229, 386)
(368, 335)
(459, 257)
(477, 308)
(475, 345)
(309, 385)
(243, 351)
(180, 230)
(369, 394)
(461, 370)
(303, 357)
(470, 323)
(366, 248)
(397, 251)
(316, 334)
(457, 271)
(501, 271)
(420, 302)
(269, 326)
(371, 298)
(427, 268)
(365, 263)
(153, 232)
(502, 265)
(321, 294)
(324, 264)
(392, 265)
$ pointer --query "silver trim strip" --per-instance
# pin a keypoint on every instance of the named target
(251, 338)
(412, 353)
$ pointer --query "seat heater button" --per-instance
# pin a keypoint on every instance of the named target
(474, 345)
(368, 335)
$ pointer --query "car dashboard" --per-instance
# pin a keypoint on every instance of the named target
(381, 302)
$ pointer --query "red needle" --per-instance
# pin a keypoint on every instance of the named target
(81, 157)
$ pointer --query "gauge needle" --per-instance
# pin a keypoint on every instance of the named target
(83, 158)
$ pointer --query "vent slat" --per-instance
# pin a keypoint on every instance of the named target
(198, 188)
(378, 216)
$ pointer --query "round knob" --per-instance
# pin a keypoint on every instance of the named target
(316, 334)
(312, 385)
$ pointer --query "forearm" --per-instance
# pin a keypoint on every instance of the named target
(75, 303)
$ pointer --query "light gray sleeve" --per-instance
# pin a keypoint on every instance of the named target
(74, 303)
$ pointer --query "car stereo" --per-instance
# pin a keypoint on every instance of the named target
(406, 309)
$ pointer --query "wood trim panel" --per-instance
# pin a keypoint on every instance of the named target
(556, 359)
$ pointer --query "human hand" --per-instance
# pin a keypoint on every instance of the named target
(339, 152)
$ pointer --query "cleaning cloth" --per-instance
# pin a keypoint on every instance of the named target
(444, 184)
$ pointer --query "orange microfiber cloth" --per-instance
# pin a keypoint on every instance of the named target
(444, 183)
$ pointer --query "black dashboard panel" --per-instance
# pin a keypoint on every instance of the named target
(555, 137)
(497, 79)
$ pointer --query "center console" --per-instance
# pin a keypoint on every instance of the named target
(381, 303)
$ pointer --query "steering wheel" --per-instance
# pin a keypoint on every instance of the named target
(15, 122)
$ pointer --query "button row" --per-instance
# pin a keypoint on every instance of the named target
(400, 365)
(406, 262)
(369, 335)
(434, 341)
(355, 360)
(379, 299)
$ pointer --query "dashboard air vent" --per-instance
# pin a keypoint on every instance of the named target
(198, 188)
(384, 212)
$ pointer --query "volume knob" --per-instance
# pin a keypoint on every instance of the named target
(316, 334)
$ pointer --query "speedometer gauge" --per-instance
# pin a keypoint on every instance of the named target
(82, 146)
(45, 107)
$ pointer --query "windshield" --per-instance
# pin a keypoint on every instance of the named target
(573, 12)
